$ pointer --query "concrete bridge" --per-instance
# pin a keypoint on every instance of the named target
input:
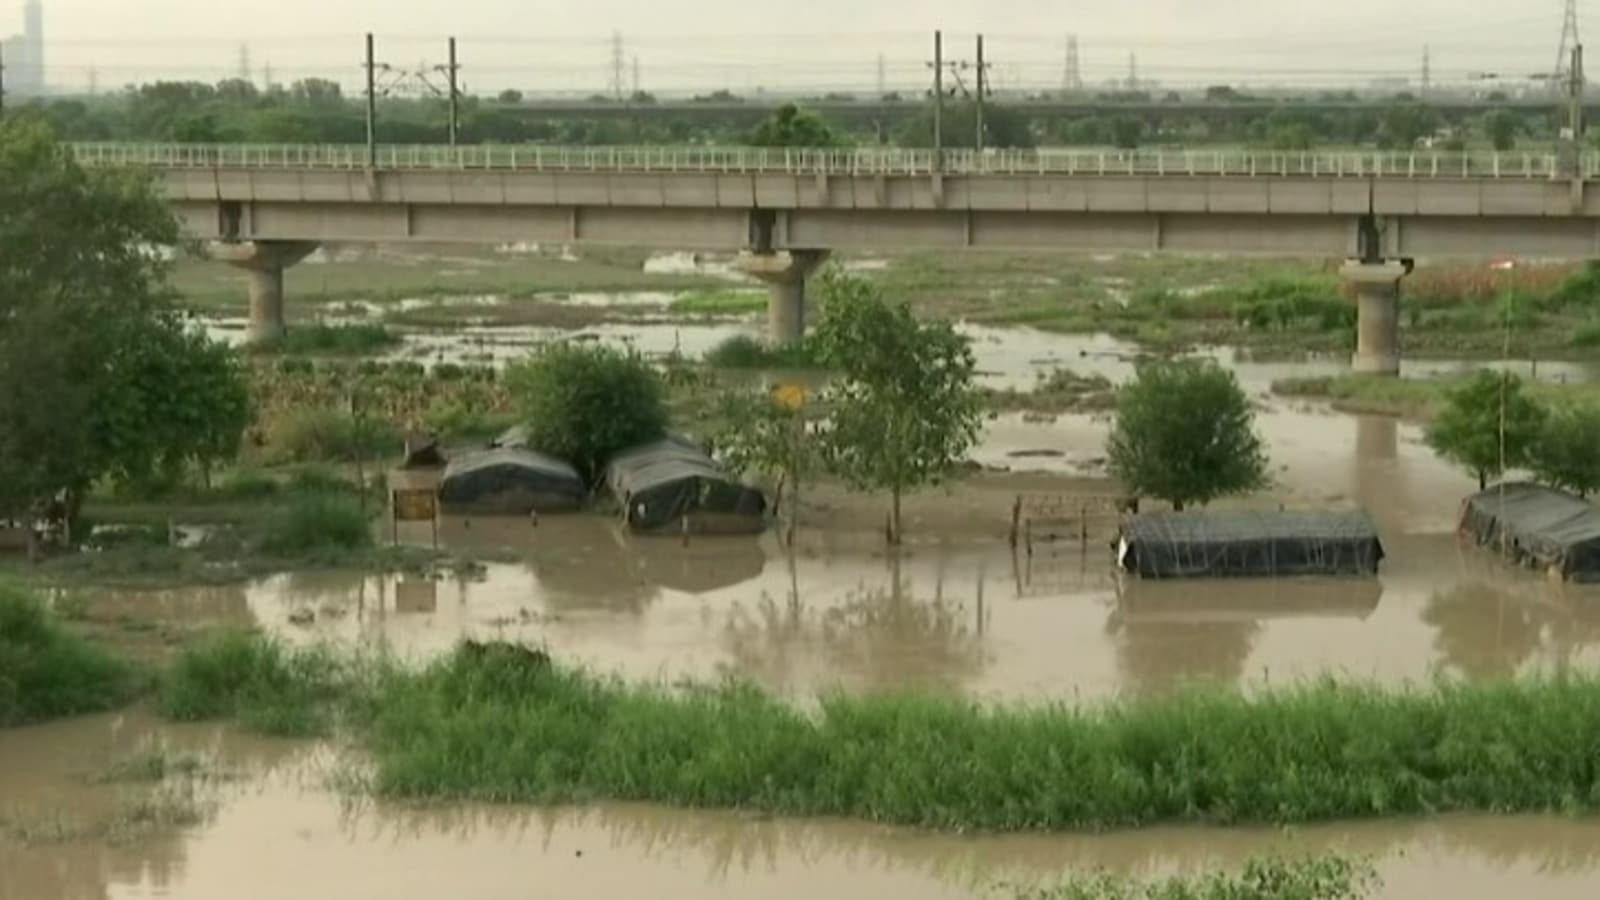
(265, 207)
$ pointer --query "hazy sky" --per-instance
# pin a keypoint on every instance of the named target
(682, 44)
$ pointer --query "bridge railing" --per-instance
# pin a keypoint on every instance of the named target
(869, 161)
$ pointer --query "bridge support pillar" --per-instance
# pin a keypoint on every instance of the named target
(1376, 286)
(785, 274)
(263, 263)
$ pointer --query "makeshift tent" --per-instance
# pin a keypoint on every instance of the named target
(510, 482)
(1538, 526)
(665, 483)
(1249, 544)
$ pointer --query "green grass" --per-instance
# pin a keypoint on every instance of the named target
(47, 672)
(266, 685)
(745, 352)
(154, 764)
(1408, 397)
(324, 434)
(507, 728)
(1271, 878)
(724, 302)
(314, 523)
(322, 339)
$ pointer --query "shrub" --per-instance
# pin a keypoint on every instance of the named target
(322, 339)
(1185, 433)
(319, 522)
(318, 434)
(745, 352)
(585, 403)
(47, 672)
(249, 484)
(269, 687)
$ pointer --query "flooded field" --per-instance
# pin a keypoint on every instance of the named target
(271, 826)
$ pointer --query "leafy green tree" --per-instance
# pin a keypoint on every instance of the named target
(904, 411)
(1501, 128)
(1127, 132)
(510, 97)
(1003, 127)
(1567, 453)
(586, 403)
(1185, 433)
(791, 126)
(1488, 425)
(759, 432)
(82, 281)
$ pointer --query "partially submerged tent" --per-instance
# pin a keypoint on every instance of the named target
(510, 482)
(671, 483)
(1245, 543)
(1538, 526)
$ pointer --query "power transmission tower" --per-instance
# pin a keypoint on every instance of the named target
(1072, 74)
(244, 62)
(1133, 71)
(452, 73)
(1569, 42)
(1427, 70)
(638, 84)
(618, 64)
(883, 76)
(94, 81)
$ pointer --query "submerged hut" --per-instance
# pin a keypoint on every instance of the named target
(671, 484)
(1539, 527)
(1246, 544)
(512, 481)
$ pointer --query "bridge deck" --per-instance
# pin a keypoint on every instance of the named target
(848, 162)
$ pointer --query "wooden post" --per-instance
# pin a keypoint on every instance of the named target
(1016, 520)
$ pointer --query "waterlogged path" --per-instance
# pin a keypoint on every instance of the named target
(273, 829)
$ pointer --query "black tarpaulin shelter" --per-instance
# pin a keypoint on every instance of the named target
(1245, 543)
(662, 484)
(512, 482)
(1538, 526)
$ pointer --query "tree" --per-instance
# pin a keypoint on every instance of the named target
(791, 126)
(1002, 127)
(586, 403)
(82, 291)
(759, 432)
(1501, 128)
(1185, 433)
(1126, 132)
(904, 410)
(510, 97)
(1488, 425)
(1567, 453)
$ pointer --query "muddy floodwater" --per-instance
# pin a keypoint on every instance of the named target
(270, 826)
(959, 611)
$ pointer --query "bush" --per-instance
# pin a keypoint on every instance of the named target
(1283, 304)
(1185, 433)
(46, 672)
(321, 339)
(745, 352)
(318, 434)
(249, 484)
(585, 403)
(254, 679)
(319, 522)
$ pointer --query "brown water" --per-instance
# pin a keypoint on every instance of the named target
(279, 831)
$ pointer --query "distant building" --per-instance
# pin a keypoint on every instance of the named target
(24, 53)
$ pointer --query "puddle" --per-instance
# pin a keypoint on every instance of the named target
(279, 832)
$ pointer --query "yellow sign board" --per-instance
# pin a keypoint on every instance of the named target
(415, 506)
(790, 396)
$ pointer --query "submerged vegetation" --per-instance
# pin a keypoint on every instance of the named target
(47, 672)
(1270, 878)
(264, 684)
(324, 339)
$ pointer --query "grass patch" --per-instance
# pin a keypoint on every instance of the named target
(1410, 398)
(140, 815)
(315, 523)
(266, 685)
(153, 764)
(744, 352)
(47, 672)
(506, 726)
(725, 302)
(323, 339)
(1269, 878)
(321, 434)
